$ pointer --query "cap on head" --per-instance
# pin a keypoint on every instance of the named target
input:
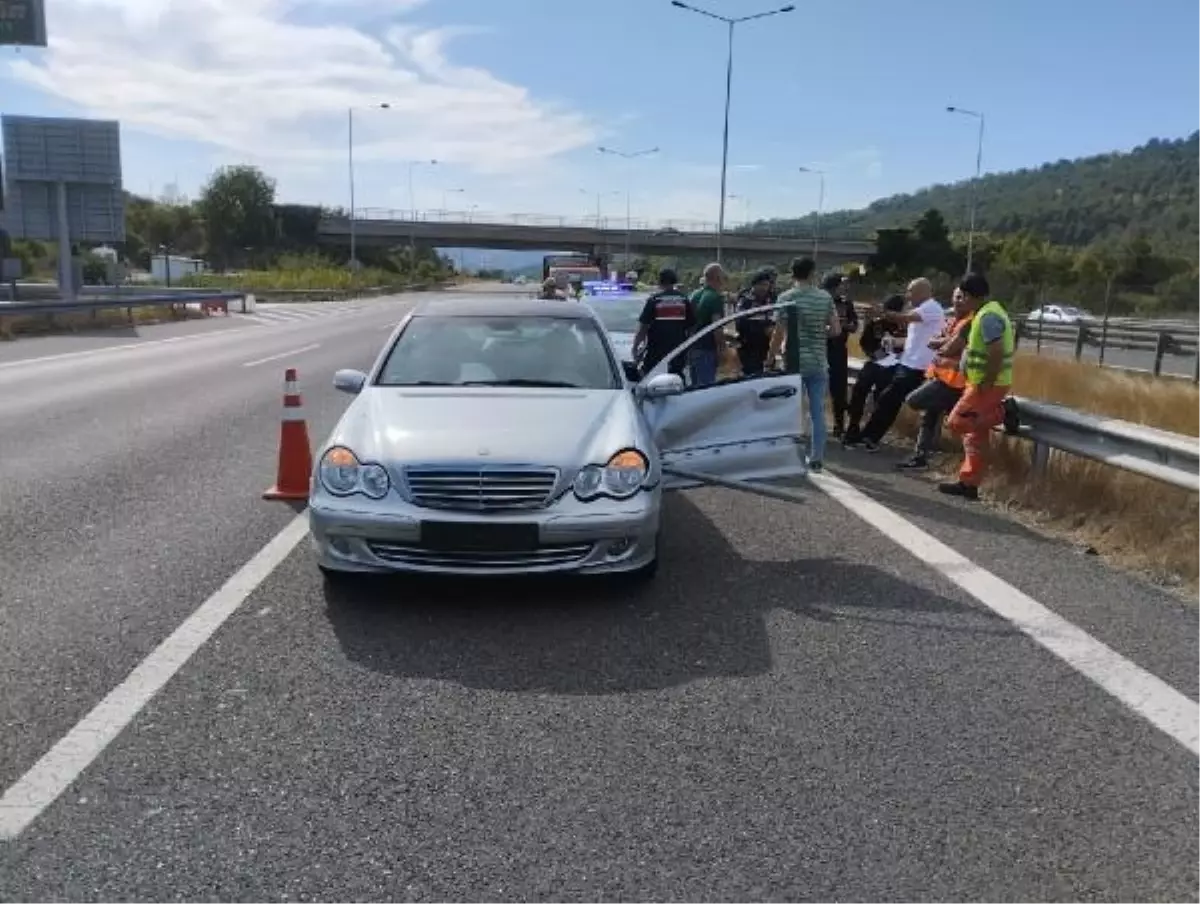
(894, 303)
(831, 282)
(667, 277)
(762, 276)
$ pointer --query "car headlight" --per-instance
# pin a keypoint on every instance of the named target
(342, 474)
(621, 477)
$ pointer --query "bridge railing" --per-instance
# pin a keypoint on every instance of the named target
(614, 224)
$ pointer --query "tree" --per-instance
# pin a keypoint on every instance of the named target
(933, 249)
(238, 208)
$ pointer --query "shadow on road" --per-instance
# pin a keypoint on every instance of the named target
(703, 617)
(915, 494)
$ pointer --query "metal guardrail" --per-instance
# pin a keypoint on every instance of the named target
(1170, 458)
(95, 305)
(1123, 336)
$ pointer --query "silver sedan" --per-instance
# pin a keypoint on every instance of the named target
(493, 437)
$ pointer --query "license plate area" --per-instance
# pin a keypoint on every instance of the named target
(455, 536)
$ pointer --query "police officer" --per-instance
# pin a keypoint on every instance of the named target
(665, 322)
(754, 330)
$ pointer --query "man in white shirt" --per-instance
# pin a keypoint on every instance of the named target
(924, 319)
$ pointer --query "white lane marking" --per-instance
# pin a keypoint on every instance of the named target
(1147, 695)
(54, 773)
(295, 351)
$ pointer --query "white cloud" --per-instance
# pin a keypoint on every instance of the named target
(271, 80)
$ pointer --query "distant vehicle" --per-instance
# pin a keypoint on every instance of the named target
(493, 437)
(1057, 313)
(618, 307)
(563, 267)
(520, 280)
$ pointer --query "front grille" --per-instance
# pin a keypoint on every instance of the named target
(543, 557)
(483, 489)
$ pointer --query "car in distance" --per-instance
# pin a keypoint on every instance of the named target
(497, 438)
(618, 308)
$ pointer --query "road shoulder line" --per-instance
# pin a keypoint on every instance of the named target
(59, 767)
(1170, 711)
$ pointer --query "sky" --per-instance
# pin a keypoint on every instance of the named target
(512, 98)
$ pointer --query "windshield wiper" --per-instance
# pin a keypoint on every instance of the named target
(552, 384)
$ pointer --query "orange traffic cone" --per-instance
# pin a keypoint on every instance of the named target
(295, 454)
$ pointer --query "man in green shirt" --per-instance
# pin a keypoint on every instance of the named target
(818, 322)
(708, 305)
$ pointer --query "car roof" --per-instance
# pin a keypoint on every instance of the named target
(502, 306)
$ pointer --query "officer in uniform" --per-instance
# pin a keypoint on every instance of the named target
(754, 330)
(665, 322)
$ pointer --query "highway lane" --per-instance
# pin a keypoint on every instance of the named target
(1175, 365)
(129, 484)
(798, 708)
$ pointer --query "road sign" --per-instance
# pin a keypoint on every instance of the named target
(78, 158)
(23, 23)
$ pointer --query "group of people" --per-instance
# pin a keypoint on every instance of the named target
(956, 367)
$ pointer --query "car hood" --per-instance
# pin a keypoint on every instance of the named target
(565, 428)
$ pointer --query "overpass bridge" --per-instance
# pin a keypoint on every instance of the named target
(525, 232)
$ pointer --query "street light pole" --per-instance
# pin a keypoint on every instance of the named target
(628, 189)
(975, 182)
(820, 209)
(730, 22)
(412, 204)
(446, 192)
(350, 163)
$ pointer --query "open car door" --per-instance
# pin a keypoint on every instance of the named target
(741, 428)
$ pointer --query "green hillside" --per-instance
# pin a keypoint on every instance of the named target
(1151, 190)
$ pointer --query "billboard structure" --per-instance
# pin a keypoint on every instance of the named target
(63, 184)
(22, 23)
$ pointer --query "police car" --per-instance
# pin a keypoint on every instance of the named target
(618, 306)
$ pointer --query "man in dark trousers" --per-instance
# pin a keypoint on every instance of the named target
(754, 331)
(924, 321)
(837, 353)
(881, 342)
(665, 322)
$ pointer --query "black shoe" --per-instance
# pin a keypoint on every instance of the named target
(815, 467)
(960, 489)
(870, 445)
(916, 463)
(838, 431)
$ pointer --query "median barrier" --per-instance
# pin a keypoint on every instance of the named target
(175, 302)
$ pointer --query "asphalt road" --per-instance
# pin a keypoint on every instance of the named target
(800, 707)
(1173, 365)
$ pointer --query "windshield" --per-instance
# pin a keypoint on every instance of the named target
(500, 351)
(619, 315)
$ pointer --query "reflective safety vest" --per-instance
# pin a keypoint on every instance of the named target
(977, 350)
(948, 368)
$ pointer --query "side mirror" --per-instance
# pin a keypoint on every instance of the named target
(660, 386)
(350, 381)
(632, 374)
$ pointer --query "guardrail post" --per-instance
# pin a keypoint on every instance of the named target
(1196, 366)
(1040, 458)
(1160, 349)
(1080, 338)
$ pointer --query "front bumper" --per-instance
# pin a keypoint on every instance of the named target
(601, 537)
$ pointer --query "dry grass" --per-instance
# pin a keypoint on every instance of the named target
(82, 321)
(1137, 522)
